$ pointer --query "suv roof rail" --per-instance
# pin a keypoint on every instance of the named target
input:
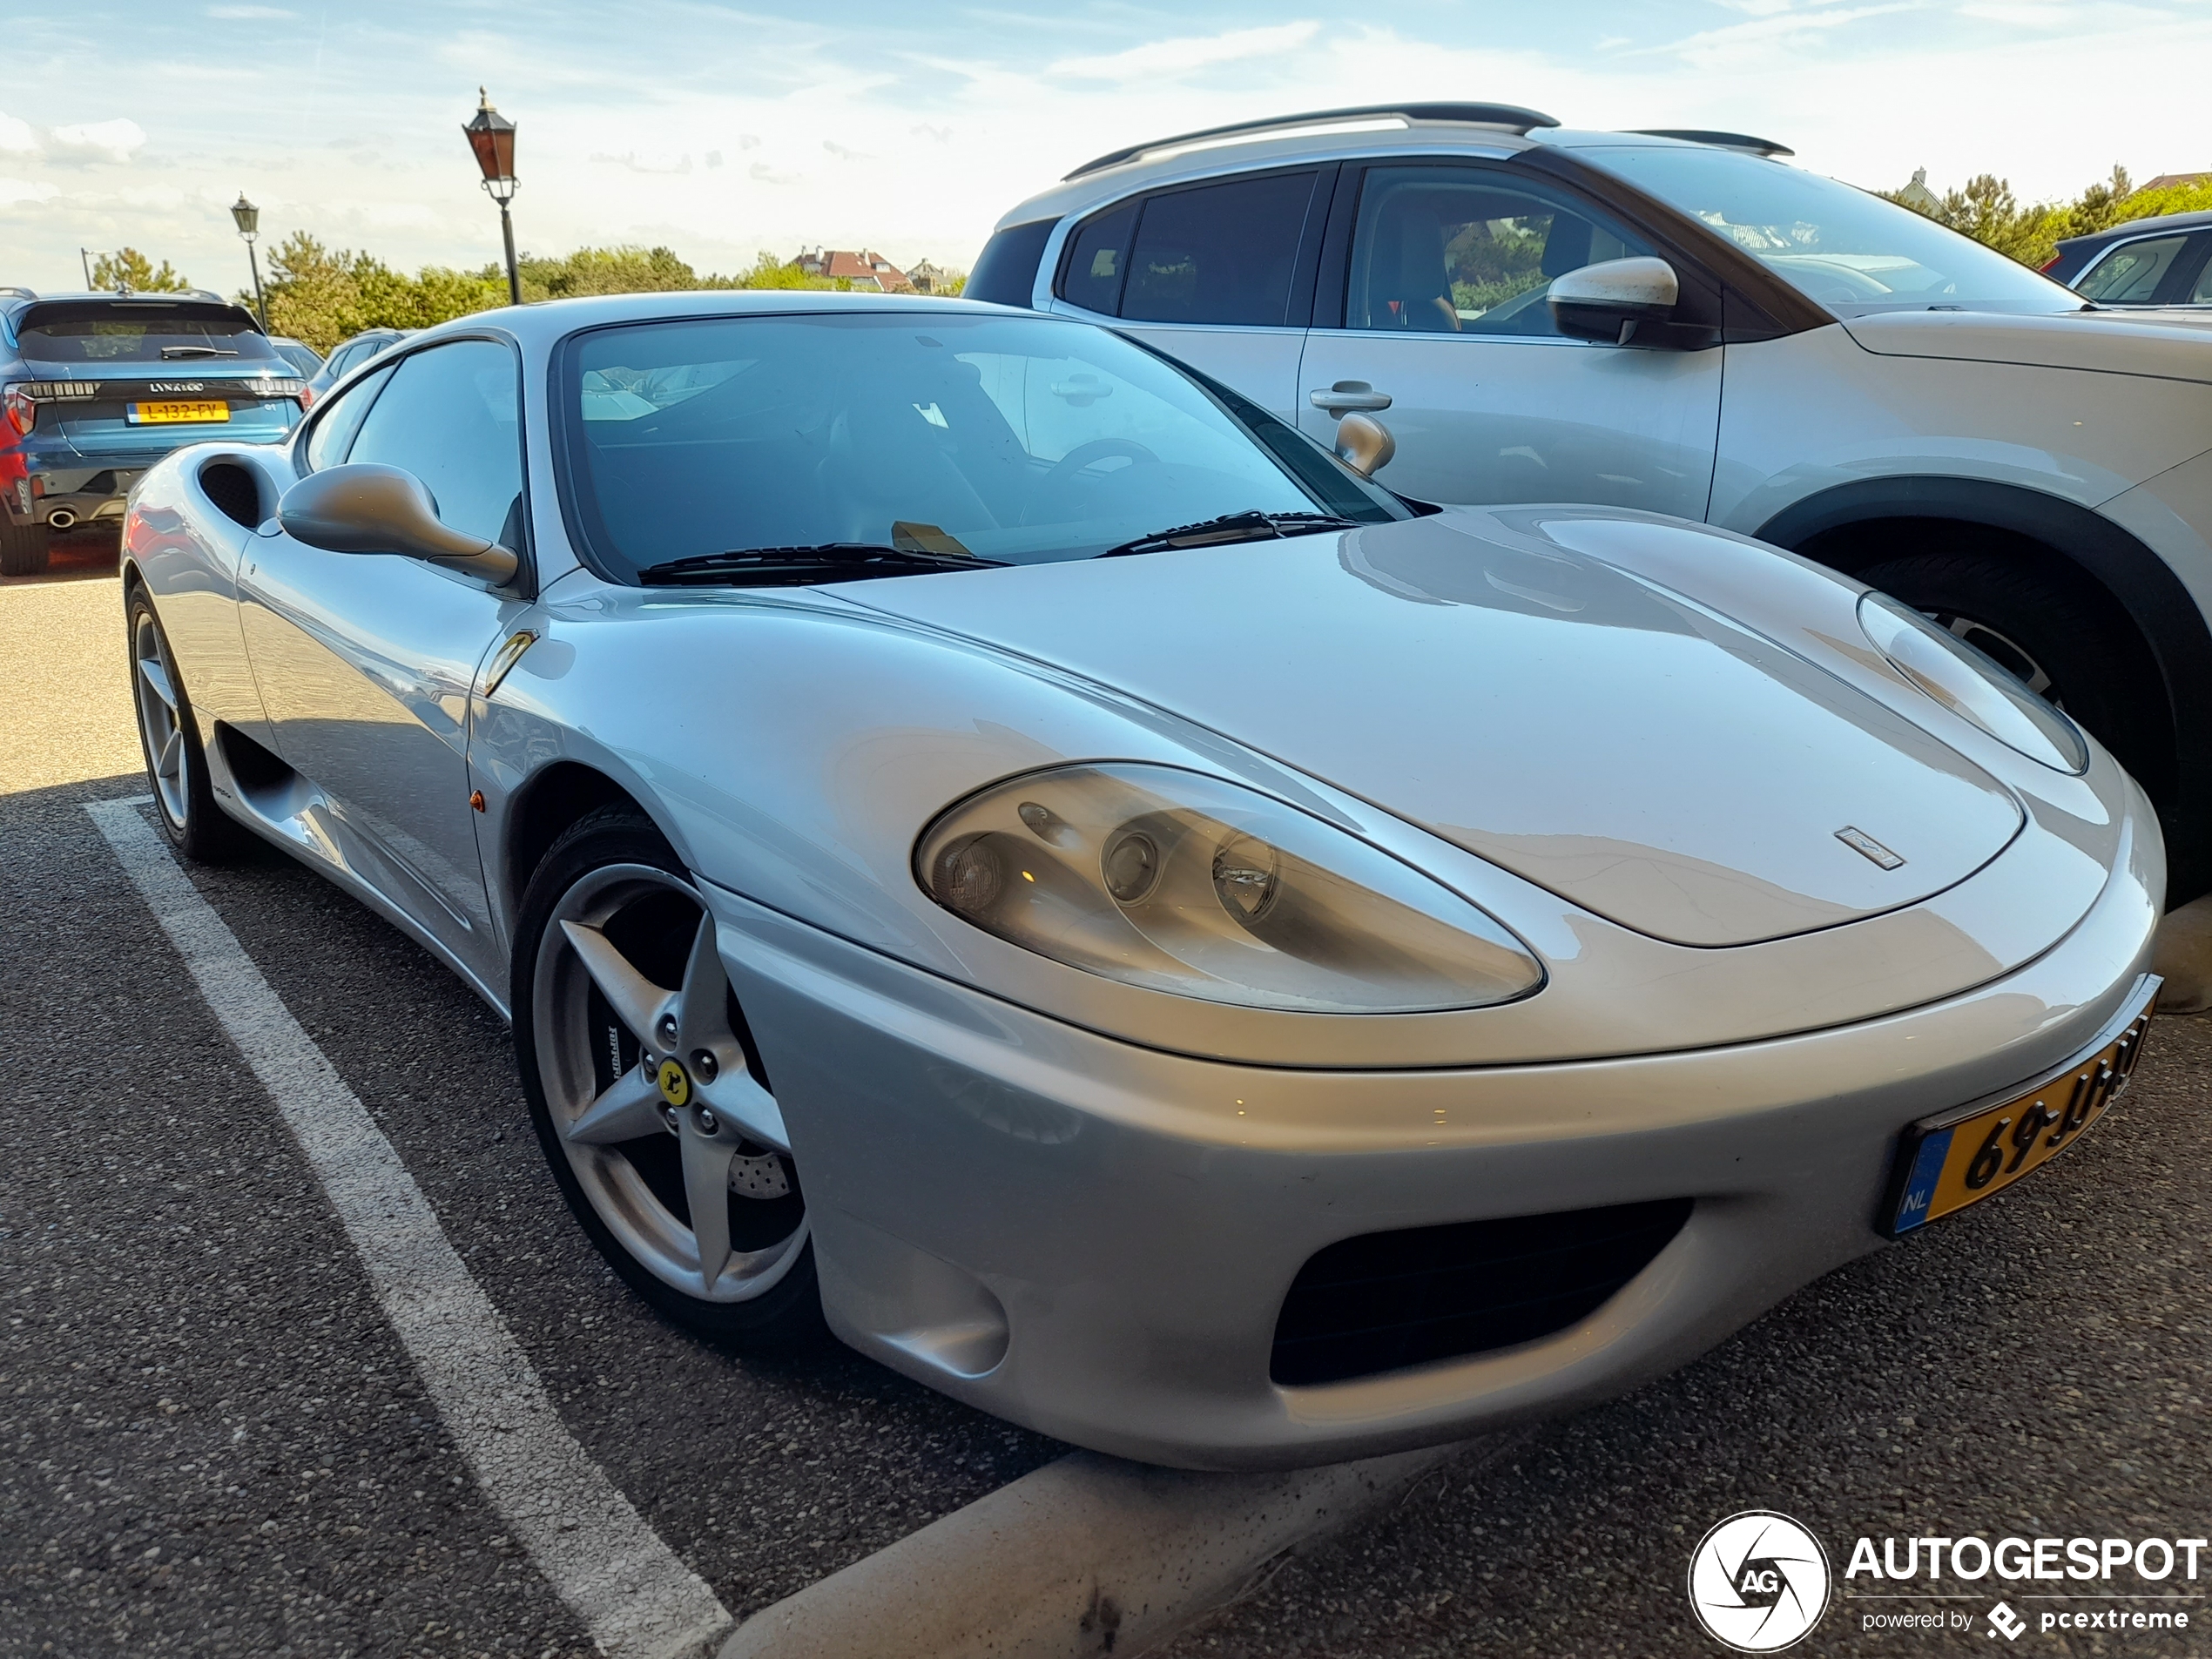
(20, 294)
(1510, 116)
(1723, 140)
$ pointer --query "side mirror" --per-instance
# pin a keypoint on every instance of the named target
(371, 508)
(1364, 443)
(1609, 300)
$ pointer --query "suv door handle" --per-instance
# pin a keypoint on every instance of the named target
(1346, 395)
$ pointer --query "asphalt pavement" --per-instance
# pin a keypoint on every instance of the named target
(211, 1442)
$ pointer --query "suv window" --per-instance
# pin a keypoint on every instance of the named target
(2129, 275)
(2202, 293)
(1460, 250)
(142, 331)
(1218, 254)
(449, 415)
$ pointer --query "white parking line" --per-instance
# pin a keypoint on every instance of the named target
(631, 1591)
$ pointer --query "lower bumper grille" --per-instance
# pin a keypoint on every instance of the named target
(1387, 1300)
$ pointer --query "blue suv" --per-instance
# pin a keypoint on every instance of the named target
(95, 387)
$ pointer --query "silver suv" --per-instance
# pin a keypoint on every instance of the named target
(1681, 322)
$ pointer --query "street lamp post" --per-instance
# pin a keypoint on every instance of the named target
(247, 218)
(491, 136)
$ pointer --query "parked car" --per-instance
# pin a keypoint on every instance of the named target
(1546, 315)
(989, 838)
(306, 360)
(98, 387)
(2164, 261)
(348, 355)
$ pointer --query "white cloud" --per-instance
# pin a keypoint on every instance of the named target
(2024, 14)
(1735, 42)
(1163, 58)
(250, 14)
(659, 161)
(16, 137)
(26, 190)
(100, 140)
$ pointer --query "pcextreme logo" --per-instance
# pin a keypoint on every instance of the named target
(1758, 1581)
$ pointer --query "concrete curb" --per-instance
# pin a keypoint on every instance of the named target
(1086, 1555)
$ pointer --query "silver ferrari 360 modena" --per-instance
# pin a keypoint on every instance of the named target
(988, 839)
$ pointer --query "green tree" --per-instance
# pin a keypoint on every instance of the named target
(128, 268)
(323, 295)
(1987, 211)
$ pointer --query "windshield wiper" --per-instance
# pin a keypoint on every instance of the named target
(169, 353)
(1250, 526)
(800, 566)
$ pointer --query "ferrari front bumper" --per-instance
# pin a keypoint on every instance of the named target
(1095, 1239)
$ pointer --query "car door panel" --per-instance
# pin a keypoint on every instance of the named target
(1486, 421)
(1442, 313)
(366, 662)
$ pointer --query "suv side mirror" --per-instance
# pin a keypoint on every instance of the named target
(372, 509)
(1365, 444)
(1609, 300)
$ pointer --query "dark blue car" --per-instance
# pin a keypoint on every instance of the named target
(95, 387)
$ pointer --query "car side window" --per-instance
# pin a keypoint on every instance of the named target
(1219, 253)
(2200, 293)
(1467, 250)
(1097, 260)
(339, 420)
(450, 416)
(2128, 274)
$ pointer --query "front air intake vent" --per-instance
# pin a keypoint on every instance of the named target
(1383, 1301)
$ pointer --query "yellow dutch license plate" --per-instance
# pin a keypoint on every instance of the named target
(169, 414)
(1960, 1157)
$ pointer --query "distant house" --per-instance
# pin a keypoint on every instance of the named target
(2165, 179)
(1918, 195)
(926, 278)
(863, 269)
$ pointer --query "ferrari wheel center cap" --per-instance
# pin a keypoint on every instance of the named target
(675, 1083)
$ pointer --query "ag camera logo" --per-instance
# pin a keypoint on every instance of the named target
(1758, 1581)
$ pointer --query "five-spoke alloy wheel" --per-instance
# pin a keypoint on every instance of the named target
(176, 765)
(648, 1093)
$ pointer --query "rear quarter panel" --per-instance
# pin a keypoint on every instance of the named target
(187, 552)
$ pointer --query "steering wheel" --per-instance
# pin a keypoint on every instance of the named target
(1088, 455)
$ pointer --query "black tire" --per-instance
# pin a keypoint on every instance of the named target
(788, 1314)
(2062, 634)
(24, 548)
(184, 802)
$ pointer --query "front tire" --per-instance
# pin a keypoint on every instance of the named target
(648, 1096)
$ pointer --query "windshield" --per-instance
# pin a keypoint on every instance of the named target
(1016, 439)
(137, 331)
(1851, 252)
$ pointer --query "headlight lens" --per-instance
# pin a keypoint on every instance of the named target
(1184, 883)
(1970, 684)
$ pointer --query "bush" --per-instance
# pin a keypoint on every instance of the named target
(323, 295)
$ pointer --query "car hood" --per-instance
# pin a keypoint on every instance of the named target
(1612, 741)
(2169, 345)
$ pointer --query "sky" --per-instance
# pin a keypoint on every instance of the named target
(910, 126)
